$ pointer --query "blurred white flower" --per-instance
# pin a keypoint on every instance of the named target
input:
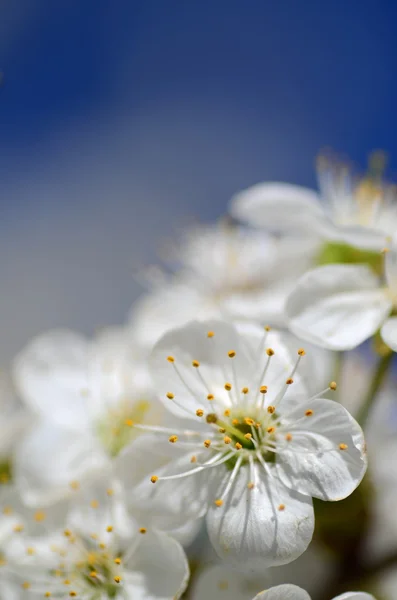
(361, 213)
(85, 395)
(340, 306)
(293, 592)
(100, 552)
(259, 447)
(224, 272)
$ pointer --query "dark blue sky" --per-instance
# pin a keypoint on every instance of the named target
(120, 120)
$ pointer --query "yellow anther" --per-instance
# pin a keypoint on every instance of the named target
(7, 510)
(308, 412)
(94, 503)
(117, 561)
(385, 250)
(30, 551)
(228, 386)
(129, 423)
(207, 443)
(66, 582)
(251, 485)
(218, 502)
(25, 585)
(154, 478)
(289, 381)
(263, 389)
(199, 412)
(235, 422)
(210, 397)
(226, 413)
(281, 507)
(170, 396)
(47, 595)
(110, 492)
(271, 409)
(231, 354)
(248, 436)
(74, 485)
(227, 439)
(102, 546)
(288, 437)
(210, 334)
(211, 418)
(343, 446)
(73, 594)
(271, 429)
(245, 390)
(18, 528)
(117, 579)
(193, 459)
(195, 363)
(238, 446)
(249, 421)
(332, 385)
(142, 530)
(267, 328)
(170, 359)
(301, 352)
(93, 574)
(222, 430)
(173, 439)
(109, 529)
(39, 516)
(270, 351)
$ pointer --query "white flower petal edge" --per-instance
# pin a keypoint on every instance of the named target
(333, 464)
(266, 524)
(278, 206)
(389, 333)
(293, 592)
(337, 306)
(283, 592)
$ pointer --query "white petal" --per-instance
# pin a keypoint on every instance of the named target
(166, 504)
(158, 569)
(337, 306)
(354, 596)
(358, 236)
(278, 206)
(221, 583)
(266, 526)
(313, 462)
(50, 375)
(50, 458)
(191, 385)
(283, 592)
(389, 333)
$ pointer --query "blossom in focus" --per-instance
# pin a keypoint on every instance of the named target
(359, 212)
(100, 552)
(340, 306)
(85, 395)
(227, 272)
(260, 446)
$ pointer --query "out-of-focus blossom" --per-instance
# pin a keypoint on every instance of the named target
(227, 272)
(358, 212)
(340, 306)
(100, 552)
(86, 394)
(264, 446)
(293, 592)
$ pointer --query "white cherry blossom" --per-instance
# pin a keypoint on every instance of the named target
(100, 552)
(85, 395)
(360, 212)
(224, 272)
(340, 306)
(259, 446)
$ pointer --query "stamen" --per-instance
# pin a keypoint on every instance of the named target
(229, 485)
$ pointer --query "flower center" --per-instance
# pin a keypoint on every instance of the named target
(115, 430)
(98, 573)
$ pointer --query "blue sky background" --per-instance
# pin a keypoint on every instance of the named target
(121, 120)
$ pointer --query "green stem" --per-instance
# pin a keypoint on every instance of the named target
(376, 383)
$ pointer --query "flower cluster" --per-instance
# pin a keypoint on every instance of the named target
(199, 449)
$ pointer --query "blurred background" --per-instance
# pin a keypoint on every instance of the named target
(120, 121)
